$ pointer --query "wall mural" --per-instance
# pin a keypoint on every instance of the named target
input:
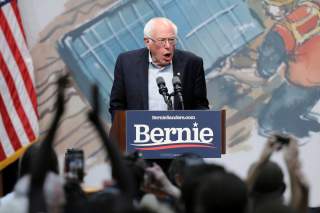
(261, 64)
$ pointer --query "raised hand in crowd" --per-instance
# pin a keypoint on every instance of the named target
(119, 171)
(265, 179)
(255, 168)
(299, 185)
(40, 167)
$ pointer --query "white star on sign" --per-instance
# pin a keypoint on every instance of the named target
(195, 124)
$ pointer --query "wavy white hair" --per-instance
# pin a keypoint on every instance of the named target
(150, 25)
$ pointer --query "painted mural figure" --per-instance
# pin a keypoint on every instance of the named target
(293, 43)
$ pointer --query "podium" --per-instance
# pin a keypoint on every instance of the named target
(118, 131)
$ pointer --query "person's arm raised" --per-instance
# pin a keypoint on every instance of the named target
(299, 186)
(40, 166)
(120, 172)
(270, 146)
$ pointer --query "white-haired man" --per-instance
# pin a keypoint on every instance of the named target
(135, 87)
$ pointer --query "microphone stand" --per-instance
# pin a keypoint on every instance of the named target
(181, 100)
(169, 102)
(177, 87)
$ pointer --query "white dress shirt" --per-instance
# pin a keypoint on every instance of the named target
(156, 101)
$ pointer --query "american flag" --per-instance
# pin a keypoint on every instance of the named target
(18, 98)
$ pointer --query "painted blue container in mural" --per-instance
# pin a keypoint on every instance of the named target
(212, 29)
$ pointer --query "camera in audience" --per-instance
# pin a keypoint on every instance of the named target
(74, 165)
(282, 139)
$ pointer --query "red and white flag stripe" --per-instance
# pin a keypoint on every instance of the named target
(18, 98)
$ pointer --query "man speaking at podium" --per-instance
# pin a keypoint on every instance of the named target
(141, 75)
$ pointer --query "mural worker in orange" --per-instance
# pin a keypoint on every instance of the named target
(293, 46)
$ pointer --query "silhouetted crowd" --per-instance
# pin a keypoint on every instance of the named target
(189, 185)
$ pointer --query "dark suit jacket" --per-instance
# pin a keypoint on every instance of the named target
(130, 85)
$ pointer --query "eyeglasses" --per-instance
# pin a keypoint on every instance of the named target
(163, 41)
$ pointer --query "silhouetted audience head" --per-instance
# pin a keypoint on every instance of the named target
(193, 178)
(221, 192)
(137, 165)
(269, 182)
(178, 165)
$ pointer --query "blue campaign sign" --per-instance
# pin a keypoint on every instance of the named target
(167, 134)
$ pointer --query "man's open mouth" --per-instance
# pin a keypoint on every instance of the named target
(167, 55)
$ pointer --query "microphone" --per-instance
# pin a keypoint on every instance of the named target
(177, 86)
(163, 90)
